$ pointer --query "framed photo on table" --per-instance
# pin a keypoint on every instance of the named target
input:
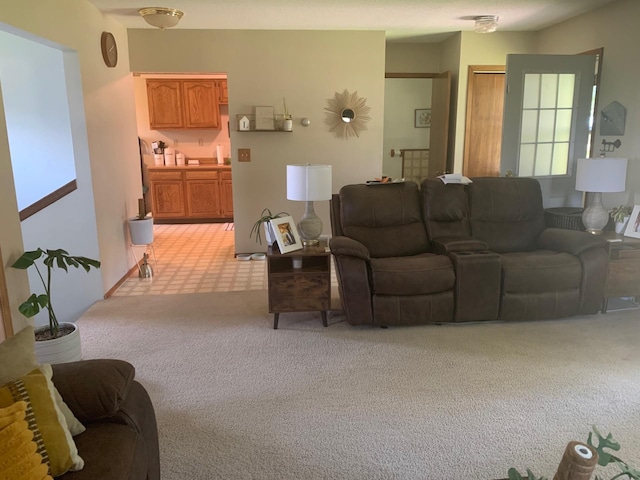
(633, 225)
(286, 234)
(422, 118)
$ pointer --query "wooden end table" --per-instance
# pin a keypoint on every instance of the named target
(303, 289)
(623, 276)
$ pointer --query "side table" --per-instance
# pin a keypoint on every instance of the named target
(303, 289)
(623, 276)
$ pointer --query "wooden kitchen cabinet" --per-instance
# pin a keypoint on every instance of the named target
(203, 194)
(180, 104)
(223, 92)
(190, 194)
(226, 194)
(167, 193)
(165, 104)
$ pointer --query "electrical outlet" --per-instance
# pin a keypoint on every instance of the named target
(200, 142)
(244, 154)
(175, 143)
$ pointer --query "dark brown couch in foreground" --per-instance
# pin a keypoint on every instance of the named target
(121, 440)
(441, 253)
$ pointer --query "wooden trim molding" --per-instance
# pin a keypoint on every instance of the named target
(5, 312)
(48, 200)
(411, 75)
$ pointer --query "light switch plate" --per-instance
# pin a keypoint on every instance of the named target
(244, 154)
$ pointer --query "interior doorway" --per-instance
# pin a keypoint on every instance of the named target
(483, 131)
(416, 125)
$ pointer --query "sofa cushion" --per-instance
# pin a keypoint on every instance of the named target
(46, 421)
(445, 209)
(387, 219)
(506, 213)
(540, 271)
(416, 275)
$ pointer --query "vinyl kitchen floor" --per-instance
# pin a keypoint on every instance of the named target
(196, 258)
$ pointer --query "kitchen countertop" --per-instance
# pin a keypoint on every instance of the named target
(202, 166)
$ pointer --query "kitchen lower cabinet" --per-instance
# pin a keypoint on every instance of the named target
(226, 194)
(191, 194)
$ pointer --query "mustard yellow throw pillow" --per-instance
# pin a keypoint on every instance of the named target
(19, 459)
(44, 419)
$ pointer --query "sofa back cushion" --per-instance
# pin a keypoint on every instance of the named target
(445, 209)
(506, 213)
(387, 219)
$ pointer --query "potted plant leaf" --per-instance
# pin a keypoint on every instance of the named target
(620, 216)
(57, 342)
(265, 219)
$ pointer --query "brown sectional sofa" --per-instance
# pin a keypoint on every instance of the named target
(121, 440)
(442, 253)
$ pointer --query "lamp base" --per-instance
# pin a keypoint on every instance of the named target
(595, 217)
(310, 226)
(310, 243)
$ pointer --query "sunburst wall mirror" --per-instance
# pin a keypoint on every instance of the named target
(347, 114)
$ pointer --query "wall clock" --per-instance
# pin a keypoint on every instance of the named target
(109, 49)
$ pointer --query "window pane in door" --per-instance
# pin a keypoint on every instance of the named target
(529, 126)
(527, 156)
(543, 159)
(548, 90)
(566, 84)
(563, 125)
(547, 125)
(531, 90)
(560, 159)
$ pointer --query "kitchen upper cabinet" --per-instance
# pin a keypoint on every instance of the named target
(201, 104)
(165, 104)
(179, 104)
(223, 93)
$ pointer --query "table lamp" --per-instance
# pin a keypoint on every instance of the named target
(598, 175)
(309, 183)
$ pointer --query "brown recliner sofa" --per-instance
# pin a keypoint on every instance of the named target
(506, 264)
(121, 437)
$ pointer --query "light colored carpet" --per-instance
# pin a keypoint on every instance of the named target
(236, 399)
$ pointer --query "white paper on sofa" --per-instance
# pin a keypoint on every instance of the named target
(455, 178)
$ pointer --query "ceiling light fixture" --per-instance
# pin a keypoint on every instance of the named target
(486, 23)
(161, 17)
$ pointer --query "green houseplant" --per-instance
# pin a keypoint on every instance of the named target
(620, 216)
(50, 259)
(604, 458)
(265, 217)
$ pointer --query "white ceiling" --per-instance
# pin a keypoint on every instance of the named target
(402, 20)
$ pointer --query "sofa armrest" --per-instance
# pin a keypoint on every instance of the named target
(94, 389)
(449, 244)
(569, 241)
(345, 246)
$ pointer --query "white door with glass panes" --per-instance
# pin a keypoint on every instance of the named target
(546, 122)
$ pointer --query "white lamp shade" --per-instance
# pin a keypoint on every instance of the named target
(308, 182)
(601, 174)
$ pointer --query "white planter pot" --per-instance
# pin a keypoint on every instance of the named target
(60, 350)
(269, 234)
(620, 226)
(141, 230)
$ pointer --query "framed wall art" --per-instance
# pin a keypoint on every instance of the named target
(422, 118)
(287, 235)
(633, 225)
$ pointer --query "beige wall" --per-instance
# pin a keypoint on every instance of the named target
(412, 58)
(614, 27)
(111, 132)
(306, 67)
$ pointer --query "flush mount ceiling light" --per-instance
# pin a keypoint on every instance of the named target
(161, 17)
(486, 23)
